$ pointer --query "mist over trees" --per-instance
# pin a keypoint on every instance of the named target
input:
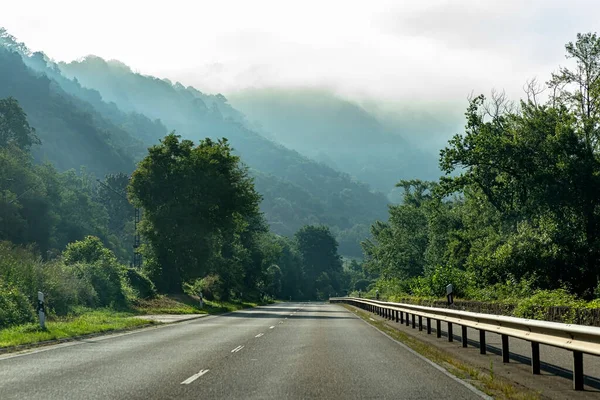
(68, 161)
(338, 133)
(233, 214)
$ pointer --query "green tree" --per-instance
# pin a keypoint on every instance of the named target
(14, 127)
(196, 199)
(322, 265)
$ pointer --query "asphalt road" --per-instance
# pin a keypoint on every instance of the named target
(284, 351)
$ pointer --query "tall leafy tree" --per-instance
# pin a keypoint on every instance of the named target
(321, 261)
(14, 127)
(195, 200)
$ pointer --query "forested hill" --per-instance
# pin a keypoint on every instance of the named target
(72, 133)
(103, 117)
(338, 132)
(307, 191)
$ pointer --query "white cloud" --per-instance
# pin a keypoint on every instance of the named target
(415, 51)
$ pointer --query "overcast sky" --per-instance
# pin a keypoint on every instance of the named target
(386, 50)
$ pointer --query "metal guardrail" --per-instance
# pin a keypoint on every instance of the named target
(576, 338)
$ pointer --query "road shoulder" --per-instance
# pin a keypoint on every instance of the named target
(486, 372)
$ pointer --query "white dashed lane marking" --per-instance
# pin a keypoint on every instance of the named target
(259, 335)
(237, 349)
(194, 377)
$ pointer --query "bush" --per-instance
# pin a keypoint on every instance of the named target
(98, 265)
(15, 308)
(140, 283)
(536, 306)
(64, 289)
(362, 285)
(211, 286)
(88, 250)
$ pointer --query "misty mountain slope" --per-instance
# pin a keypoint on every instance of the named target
(195, 115)
(72, 133)
(137, 125)
(337, 132)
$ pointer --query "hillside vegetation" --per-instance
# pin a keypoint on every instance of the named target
(517, 215)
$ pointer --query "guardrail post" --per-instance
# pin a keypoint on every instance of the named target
(482, 348)
(463, 335)
(450, 335)
(420, 323)
(397, 316)
(413, 321)
(438, 328)
(535, 358)
(577, 370)
(429, 326)
(505, 352)
(407, 322)
(401, 317)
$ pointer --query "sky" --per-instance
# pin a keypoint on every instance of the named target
(415, 53)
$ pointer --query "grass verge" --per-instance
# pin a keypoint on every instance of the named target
(90, 321)
(184, 304)
(84, 321)
(487, 382)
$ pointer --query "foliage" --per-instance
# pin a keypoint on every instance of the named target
(535, 307)
(197, 203)
(296, 190)
(519, 207)
(142, 285)
(14, 127)
(211, 287)
(84, 322)
(94, 263)
(322, 266)
(15, 307)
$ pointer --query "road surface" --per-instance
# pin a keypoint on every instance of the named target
(283, 351)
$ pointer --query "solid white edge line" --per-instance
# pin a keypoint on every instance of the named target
(427, 360)
(194, 377)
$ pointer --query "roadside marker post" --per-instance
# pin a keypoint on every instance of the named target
(41, 309)
(449, 294)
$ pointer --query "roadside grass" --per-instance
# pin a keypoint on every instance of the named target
(184, 304)
(488, 382)
(167, 304)
(82, 323)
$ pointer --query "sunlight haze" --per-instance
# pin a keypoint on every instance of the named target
(386, 50)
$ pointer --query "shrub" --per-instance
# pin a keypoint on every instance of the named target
(362, 285)
(98, 265)
(88, 250)
(211, 286)
(536, 306)
(64, 289)
(15, 308)
(140, 283)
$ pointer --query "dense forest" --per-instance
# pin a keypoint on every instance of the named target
(108, 128)
(76, 172)
(296, 189)
(517, 213)
(92, 181)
